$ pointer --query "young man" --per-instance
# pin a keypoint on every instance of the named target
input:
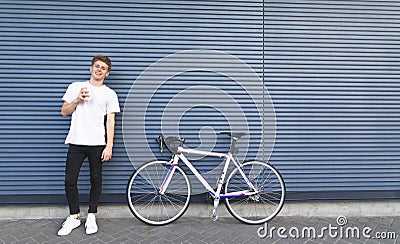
(88, 102)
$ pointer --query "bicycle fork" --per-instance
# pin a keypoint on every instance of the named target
(168, 177)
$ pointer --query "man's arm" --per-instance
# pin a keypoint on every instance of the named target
(110, 124)
(68, 108)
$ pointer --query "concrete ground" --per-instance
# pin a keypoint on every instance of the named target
(336, 223)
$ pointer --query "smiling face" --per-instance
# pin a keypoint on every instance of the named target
(99, 71)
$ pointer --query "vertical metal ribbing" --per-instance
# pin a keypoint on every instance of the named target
(139, 33)
(263, 81)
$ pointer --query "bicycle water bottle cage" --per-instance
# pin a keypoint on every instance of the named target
(173, 142)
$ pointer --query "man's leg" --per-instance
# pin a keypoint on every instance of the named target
(76, 155)
(96, 177)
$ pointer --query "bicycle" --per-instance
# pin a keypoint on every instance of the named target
(159, 192)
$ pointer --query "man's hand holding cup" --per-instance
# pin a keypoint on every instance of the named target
(84, 94)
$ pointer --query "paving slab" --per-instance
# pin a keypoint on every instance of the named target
(282, 229)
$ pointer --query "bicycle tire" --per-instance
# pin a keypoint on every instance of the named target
(261, 207)
(144, 199)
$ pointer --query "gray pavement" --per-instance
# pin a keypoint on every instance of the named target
(282, 229)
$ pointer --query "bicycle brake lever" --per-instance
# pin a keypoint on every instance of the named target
(160, 142)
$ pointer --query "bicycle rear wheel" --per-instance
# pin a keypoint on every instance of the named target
(263, 205)
(145, 200)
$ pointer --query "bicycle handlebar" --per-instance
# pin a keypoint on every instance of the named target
(173, 142)
(170, 142)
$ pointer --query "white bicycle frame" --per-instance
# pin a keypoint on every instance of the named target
(215, 193)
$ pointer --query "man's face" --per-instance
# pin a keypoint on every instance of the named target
(99, 70)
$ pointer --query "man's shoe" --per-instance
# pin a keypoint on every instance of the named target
(69, 224)
(90, 225)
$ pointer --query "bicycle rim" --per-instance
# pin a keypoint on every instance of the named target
(264, 205)
(145, 201)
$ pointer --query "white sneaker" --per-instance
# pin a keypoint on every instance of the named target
(90, 225)
(69, 224)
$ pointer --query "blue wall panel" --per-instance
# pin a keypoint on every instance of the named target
(332, 71)
(45, 45)
(331, 68)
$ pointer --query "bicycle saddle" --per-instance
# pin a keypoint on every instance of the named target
(235, 135)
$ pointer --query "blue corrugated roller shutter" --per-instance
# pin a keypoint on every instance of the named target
(332, 68)
(45, 45)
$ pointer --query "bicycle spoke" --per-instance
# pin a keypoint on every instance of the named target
(266, 203)
(148, 204)
(141, 198)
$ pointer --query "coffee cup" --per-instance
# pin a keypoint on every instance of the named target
(86, 94)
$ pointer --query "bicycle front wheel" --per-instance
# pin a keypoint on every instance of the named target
(258, 206)
(145, 200)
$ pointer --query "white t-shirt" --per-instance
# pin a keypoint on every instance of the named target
(87, 122)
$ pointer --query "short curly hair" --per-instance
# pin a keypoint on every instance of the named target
(104, 59)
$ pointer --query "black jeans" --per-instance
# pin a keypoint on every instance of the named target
(75, 157)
